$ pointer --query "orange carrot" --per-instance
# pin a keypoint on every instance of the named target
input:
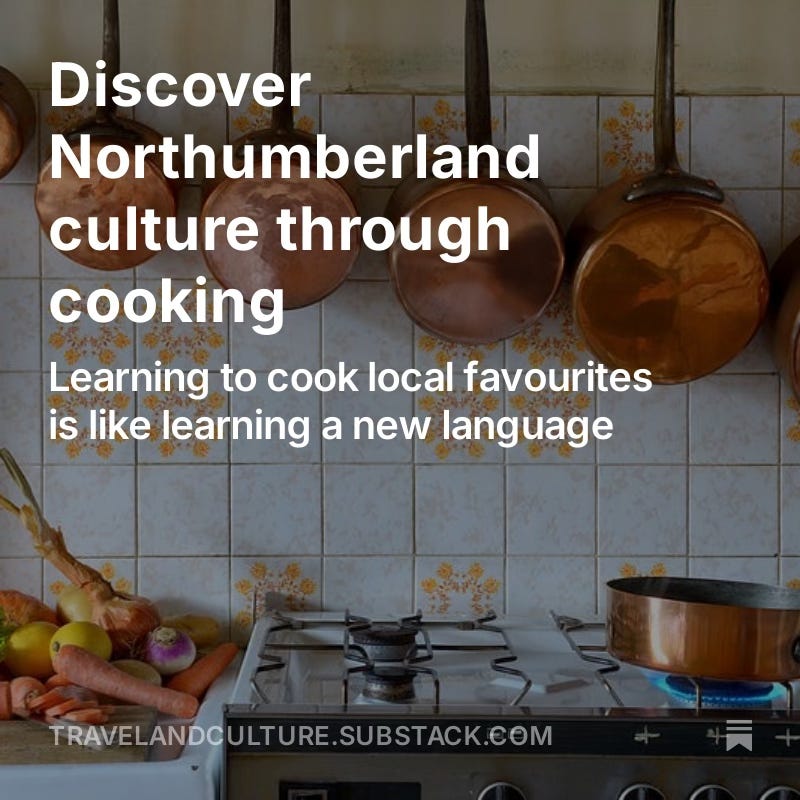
(88, 670)
(196, 679)
(5, 700)
(46, 700)
(24, 691)
(70, 704)
(55, 681)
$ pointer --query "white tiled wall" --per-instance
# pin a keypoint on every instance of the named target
(700, 480)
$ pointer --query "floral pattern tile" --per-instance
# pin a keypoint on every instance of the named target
(261, 584)
(444, 120)
(251, 117)
(626, 136)
(85, 343)
(460, 586)
(791, 177)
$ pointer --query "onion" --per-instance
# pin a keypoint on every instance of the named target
(73, 605)
(169, 650)
(125, 618)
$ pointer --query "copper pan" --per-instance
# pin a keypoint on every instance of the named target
(785, 314)
(667, 276)
(725, 630)
(17, 120)
(99, 196)
(305, 276)
(494, 294)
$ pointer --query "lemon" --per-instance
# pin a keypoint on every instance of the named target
(28, 650)
(86, 635)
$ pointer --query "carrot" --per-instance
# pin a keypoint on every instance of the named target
(5, 701)
(46, 700)
(89, 670)
(69, 704)
(24, 691)
(87, 716)
(196, 679)
(55, 681)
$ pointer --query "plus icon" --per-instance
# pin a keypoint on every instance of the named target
(788, 737)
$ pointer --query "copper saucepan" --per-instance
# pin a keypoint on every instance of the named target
(99, 196)
(494, 294)
(17, 120)
(305, 276)
(725, 630)
(667, 276)
(785, 314)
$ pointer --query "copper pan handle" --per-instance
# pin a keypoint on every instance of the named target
(105, 113)
(478, 94)
(668, 177)
(283, 114)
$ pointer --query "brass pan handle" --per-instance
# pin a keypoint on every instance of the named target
(668, 177)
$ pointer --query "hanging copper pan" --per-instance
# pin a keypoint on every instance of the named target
(494, 294)
(785, 314)
(99, 196)
(667, 276)
(17, 120)
(725, 630)
(305, 276)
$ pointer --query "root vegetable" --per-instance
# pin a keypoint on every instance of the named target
(47, 700)
(169, 650)
(5, 701)
(203, 631)
(87, 716)
(19, 609)
(127, 619)
(139, 669)
(88, 670)
(24, 691)
(196, 679)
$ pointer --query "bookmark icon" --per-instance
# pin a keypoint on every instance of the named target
(739, 733)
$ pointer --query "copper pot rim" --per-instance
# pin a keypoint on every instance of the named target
(440, 187)
(705, 592)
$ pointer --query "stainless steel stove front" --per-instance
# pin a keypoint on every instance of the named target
(504, 710)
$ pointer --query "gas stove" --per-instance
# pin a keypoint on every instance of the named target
(341, 707)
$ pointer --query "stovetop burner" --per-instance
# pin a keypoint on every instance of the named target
(718, 694)
(393, 684)
(385, 641)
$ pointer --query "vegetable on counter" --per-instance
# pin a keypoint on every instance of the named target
(139, 669)
(87, 635)
(27, 650)
(86, 669)
(169, 650)
(203, 631)
(19, 609)
(5, 701)
(127, 619)
(24, 691)
(196, 679)
(73, 605)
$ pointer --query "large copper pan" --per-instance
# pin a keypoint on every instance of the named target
(17, 120)
(99, 196)
(785, 314)
(667, 276)
(724, 630)
(305, 276)
(494, 294)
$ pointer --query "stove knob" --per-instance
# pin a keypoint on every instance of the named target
(780, 793)
(712, 793)
(642, 791)
(501, 791)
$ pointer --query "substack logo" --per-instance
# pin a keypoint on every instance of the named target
(739, 733)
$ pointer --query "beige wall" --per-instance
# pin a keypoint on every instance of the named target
(725, 45)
